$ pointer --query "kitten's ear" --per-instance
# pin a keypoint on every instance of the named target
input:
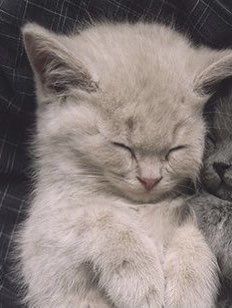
(55, 68)
(218, 69)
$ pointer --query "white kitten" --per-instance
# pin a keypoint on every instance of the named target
(120, 131)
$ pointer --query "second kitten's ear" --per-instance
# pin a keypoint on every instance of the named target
(55, 68)
(219, 69)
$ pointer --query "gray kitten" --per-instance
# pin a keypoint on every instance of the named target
(120, 132)
(214, 206)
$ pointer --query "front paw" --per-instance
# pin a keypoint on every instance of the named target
(190, 270)
(133, 286)
(94, 299)
(153, 299)
(94, 304)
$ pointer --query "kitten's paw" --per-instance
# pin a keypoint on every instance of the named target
(134, 290)
(136, 282)
(152, 300)
(94, 299)
(98, 304)
(190, 271)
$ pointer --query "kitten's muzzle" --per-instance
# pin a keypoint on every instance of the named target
(225, 172)
(217, 179)
(149, 183)
(220, 168)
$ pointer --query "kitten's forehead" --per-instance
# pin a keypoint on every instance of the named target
(150, 126)
(222, 120)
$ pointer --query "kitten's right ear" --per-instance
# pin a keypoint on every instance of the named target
(55, 67)
(218, 69)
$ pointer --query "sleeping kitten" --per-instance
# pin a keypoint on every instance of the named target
(213, 206)
(217, 172)
(120, 132)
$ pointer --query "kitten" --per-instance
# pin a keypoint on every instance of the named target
(213, 206)
(217, 172)
(119, 133)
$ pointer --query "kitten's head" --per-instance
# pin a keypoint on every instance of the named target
(217, 171)
(120, 107)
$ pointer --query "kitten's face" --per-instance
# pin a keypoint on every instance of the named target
(151, 149)
(140, 149)
(217, 172)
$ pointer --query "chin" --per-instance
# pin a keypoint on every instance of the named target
(141, 196)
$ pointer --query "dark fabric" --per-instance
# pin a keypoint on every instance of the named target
(206, 21)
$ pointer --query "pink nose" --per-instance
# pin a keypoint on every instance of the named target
(149, 183)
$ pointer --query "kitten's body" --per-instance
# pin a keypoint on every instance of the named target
(148, 247)
(214, 217)
(119, 110)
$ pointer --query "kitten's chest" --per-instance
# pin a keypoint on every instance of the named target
(160, 221)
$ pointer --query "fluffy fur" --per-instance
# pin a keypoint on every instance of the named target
(117, 104)
(213, 206)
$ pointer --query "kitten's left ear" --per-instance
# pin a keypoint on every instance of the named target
(55, 67)
(219, 69)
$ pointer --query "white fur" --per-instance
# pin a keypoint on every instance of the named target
(94, 236)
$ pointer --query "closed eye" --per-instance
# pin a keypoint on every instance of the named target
(177, 148)
(213, 141)
(122, 145)
(210, 145)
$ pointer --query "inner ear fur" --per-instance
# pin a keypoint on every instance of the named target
(53, 64)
